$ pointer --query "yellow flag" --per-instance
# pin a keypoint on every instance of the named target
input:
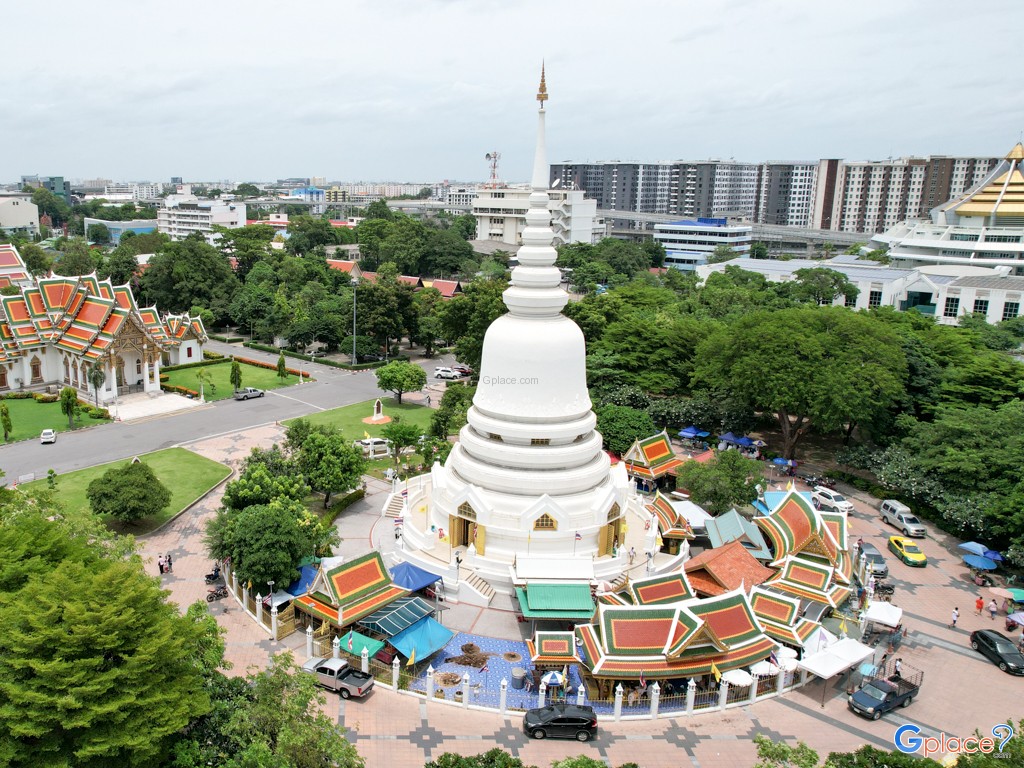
(412, 657)
(366, 435)
(716, 672)
(789, 486)
(842, 626)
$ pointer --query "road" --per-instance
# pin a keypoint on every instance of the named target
(334, 387)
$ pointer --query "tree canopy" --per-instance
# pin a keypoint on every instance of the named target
(128, 492)
(401, 377)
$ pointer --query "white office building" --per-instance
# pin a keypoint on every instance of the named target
(984, 227)
(688, 244)
(19, 216)
(501, 215)
(132, 192)
(184, 215)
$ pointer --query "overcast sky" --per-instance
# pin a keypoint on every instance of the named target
(421, 90)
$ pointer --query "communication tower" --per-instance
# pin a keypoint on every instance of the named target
(492, 160)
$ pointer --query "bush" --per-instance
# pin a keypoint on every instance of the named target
(18, 395)
(179, 390)
(99, 413)
(41, 397)
(197, 364)
(321, 360)
(342, 504)
(225, 339)
(212, 355)
(271, 366)
(164, 378)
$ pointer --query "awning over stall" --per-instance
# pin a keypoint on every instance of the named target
(836, 658)
(425, 637)
(556, 601)
(397, 616)
(408, 576)
(884, 613)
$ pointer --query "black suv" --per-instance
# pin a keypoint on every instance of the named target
(566, 721)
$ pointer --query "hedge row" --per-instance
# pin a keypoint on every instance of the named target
(95, 413)
(343, 503)
(197, 364)
(322, 360)
(39, 397)
(208, 355)
(179, 390)
(226, 339)
(270, 366)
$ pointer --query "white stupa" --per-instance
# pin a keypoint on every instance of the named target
(528, 492)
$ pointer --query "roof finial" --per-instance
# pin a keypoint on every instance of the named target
(542, 92)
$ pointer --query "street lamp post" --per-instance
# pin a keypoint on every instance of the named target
(355, 283)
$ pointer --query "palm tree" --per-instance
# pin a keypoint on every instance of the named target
(97, 377)
(203, 376)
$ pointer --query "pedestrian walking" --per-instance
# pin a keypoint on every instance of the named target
(954, 617)
(860, 544)
(632, 555)
(897, 669)
(428, 401)
(992, 608)
(979, 605)
(161, 563)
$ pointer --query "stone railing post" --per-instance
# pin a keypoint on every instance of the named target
(336, 648)
(395, 669)
(542, 694)
(723, 694)
(655, 699)
(753, 688)
(234, 582)
(581, 693)
(803, 676)
(259, 609)
(430, 683)
(273, 622)
(618, 702)
(364, 660)
(780, 681)
(691, 695)
(245, 598)
(309, 642)
(503, 696)
(465, 690)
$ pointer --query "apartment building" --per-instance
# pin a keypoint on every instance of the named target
(132, 191)
(19, 216)
(183, 215)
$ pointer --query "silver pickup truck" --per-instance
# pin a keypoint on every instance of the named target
(247, 392)
(338, 675)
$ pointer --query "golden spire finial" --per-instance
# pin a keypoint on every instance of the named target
(542, 92)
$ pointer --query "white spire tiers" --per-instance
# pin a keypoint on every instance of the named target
(527, 488)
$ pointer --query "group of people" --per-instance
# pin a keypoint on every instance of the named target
(165, 564)
(979, 606)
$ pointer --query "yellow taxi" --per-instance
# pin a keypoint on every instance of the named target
(907, 551)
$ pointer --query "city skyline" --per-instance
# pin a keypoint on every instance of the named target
(351, 93)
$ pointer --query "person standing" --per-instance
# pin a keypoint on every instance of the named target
(953, 618)
(979, 605)
(632, 555)
(169, 564)
(160, 563)
(992, 608)
(897, 669)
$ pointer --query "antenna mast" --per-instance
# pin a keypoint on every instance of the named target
(492, 159)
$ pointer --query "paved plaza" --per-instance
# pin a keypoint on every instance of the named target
(961, 691)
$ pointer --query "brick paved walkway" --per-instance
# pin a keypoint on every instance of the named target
(961, 690)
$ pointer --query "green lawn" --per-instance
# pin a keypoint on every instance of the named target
(252, 376)
(349, 419)
(29, 418)
(187, 476)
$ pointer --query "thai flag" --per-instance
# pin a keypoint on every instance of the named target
(350, 634)
(399, 521)
(578, 537)
(774, 659)
(484, 667)
(405, 492)
(643, 682)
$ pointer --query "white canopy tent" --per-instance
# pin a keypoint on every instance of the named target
(835, 659)
(884, 613)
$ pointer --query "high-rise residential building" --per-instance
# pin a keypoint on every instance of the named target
(785, 193)
(184, 214)
(55, 184)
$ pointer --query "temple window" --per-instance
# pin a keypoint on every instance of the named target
(3, 378)
(67, 372)
(188, 352)
(37, 370)
(614, 512)
(138, 366)
(540, 441)
(466, 511)
(545, 523)
(494, 436)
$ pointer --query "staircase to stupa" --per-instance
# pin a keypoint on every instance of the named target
(476, 584)
(395, 506)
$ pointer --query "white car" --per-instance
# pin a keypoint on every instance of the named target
(48, 436)
(445, 373)
(826, 498)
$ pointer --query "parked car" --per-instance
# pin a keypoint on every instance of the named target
(565, 721)
(373, 446)
(907, 551)
(247, 392)
(48, 436)
(338, 675)
(898, 514)
(445, 373)
(878, 695)
(999, 649)
(463, 370)
(875, 560)
(826, 498)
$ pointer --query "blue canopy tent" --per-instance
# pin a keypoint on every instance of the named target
(425, 637)
(691, 432)
(301, 585)
(408, 576)
(728, 437)
(979, 562)
(744, 441)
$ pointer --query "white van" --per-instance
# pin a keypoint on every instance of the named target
(898, 514)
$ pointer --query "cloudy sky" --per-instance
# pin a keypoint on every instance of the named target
(421, 90)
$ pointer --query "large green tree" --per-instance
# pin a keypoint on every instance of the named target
(466, 318)
(5, 420)
(821, 367)
(36, 259)
(401, 377)
(621, 425)
(402, 436)
(79, 684)
(75, 259)
(188, 273)
(128, 492)
(69, 404)
(329, 464)
(726, 481)
(259, 485)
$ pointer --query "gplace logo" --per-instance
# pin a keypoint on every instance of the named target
(908, 740)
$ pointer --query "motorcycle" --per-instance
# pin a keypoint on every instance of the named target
(218, 593)
(212, 577)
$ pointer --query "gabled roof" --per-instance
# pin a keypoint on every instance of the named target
(448, 288)
(556, 601)
(732, 526)
(780, 617)
(358, 587)
(999, 195)
(651, 457)
(795, 527)
(809, 580)
(657, 590)
(725, 568)
(552, 648)
(670, 522)
(344, 265)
